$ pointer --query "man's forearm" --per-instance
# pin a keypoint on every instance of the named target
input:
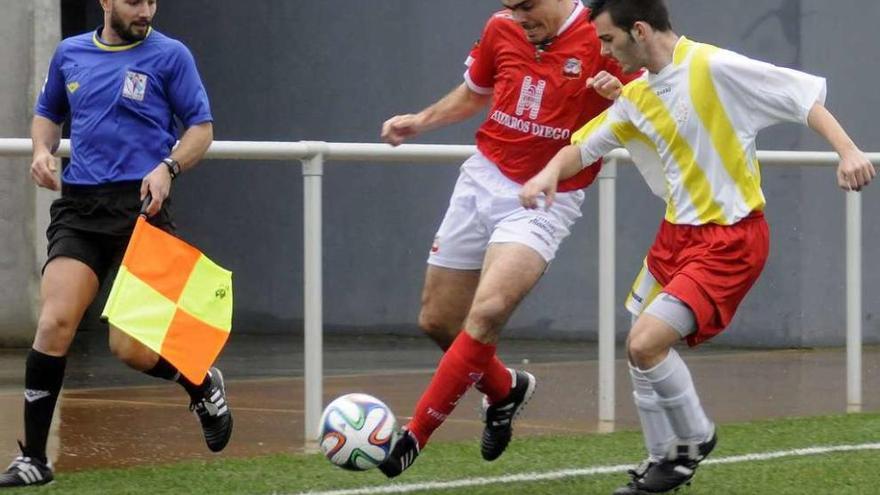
(567, 161)
(193, 145)
(45, 135)
(824, 123)
(460, 104)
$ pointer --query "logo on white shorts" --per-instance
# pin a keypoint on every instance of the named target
(544, 224)
(135, 86)
(530, 97)
(436, 245)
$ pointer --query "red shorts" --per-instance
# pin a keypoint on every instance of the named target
(710, 268)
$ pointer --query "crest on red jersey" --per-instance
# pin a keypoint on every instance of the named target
(572, 68)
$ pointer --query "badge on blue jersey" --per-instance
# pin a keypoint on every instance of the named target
(135, 86)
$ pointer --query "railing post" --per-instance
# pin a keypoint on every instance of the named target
(853, 302)
(313, 170)
(607, 214)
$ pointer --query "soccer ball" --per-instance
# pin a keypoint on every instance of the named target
(357, 432)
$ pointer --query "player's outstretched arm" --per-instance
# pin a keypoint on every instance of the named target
(565, 164)
(855, 171)
(46, 136)
(460, 104)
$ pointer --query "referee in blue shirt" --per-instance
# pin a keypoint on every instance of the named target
(122, 87)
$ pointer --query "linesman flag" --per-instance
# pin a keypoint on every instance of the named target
(173, 299)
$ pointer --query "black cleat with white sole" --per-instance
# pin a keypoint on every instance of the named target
(499, 417)
(636, 474)
(402, 455)
(213, 412)
(26, 471)
(671, 473)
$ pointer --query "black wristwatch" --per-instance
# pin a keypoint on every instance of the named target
(173, 166)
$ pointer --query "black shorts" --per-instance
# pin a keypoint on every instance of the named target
(92, 224)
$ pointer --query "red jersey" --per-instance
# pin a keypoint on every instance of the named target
(540, 95)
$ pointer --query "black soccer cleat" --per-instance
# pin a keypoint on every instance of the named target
(213, 412)
(26, 471)
(671, 473)
(635, 474)
(499, 417)
(402, 455)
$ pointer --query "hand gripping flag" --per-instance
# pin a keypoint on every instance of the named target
(173, 299)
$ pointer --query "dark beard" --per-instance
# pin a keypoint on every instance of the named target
(125, 32)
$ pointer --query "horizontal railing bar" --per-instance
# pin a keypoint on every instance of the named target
(374, 152)
(258, 150)
(406, 152)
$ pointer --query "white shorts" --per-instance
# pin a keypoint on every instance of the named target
(485, 209)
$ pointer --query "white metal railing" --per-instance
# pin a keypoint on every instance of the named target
(314, 154)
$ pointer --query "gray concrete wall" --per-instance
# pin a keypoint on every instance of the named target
(334, 70)
(22, 49)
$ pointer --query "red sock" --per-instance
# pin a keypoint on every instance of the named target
(496, 381)
(461, 366)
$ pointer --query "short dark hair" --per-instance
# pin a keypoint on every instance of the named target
(625, 13)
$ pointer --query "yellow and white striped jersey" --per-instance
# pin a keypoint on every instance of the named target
(691, 129)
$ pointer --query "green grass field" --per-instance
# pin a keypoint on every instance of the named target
(855, 472)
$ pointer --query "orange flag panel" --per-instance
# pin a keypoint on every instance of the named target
(159, 259)
(187, 333)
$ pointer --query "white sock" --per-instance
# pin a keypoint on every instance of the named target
(674, 386)
(656, 429)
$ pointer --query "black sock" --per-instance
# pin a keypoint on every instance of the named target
(44, 375)
(167, 371)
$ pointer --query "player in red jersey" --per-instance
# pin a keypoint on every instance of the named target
(539, 69)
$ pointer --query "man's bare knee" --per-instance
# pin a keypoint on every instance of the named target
(649, 341)
(432, 322)
(644, 351)
(135, 358)
(67, 288)
(54, 334)
(489, 315)
(441, 332)
(121, 350)
(131, 352)
(629, 355)
(56, 325)
(446, 299)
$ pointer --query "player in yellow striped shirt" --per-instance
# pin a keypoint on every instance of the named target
(690, 123)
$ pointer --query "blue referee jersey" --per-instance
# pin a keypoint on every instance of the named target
(122, 101)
